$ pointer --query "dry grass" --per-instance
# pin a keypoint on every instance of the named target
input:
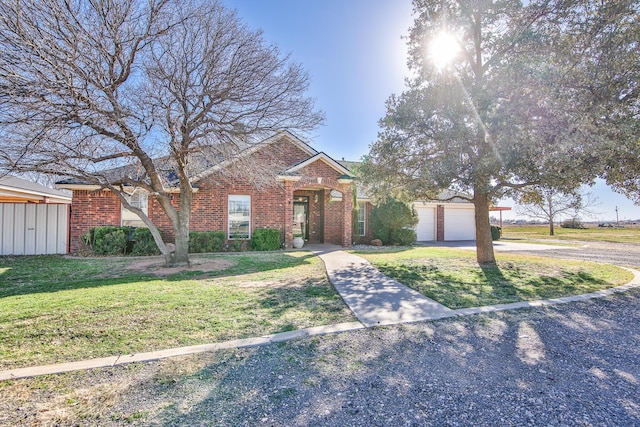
(628, 234)
(54, 309)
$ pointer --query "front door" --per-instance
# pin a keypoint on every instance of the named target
(301, 217)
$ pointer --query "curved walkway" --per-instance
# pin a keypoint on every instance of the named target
(374, 298)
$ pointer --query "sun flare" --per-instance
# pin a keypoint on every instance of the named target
(443, 48)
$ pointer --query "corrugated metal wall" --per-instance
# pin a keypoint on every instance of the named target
(33, 229)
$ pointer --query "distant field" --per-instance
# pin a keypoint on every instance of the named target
(628, 234)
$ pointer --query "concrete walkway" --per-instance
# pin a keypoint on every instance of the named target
(374, 298)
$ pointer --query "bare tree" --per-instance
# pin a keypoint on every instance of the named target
(163, 87)
(549, 204)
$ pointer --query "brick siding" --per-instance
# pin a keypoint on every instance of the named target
(91, 209)
(270, 206)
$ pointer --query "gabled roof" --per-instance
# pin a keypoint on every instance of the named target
(18, 190)
(321, 157)
(290, 137)
(201, 166)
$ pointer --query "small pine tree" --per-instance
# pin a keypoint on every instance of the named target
(391, 222)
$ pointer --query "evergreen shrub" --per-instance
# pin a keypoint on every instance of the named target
(144, 243)
(265, 239)
(206, 241)
(392, 221)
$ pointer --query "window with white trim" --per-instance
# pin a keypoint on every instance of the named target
(140, 200)
(362, 221)
(239, 222)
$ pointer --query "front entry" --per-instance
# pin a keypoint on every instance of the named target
(301, 217)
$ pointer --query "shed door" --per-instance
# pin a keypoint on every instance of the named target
(426, 228)
(33, 229)
(459, 224)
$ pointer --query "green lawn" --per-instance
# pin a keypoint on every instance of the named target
(55, 309)
(628, 234)
(454, 278)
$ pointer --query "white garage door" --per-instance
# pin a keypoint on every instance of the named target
(459, 224)
(426, 228)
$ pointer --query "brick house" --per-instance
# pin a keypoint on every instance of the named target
(311, 197)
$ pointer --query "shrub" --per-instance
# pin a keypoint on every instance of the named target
(403, 237)
(108, 240)
(573, 223)
(239, 242)
(206, 241)
(390, 219)
(144, 243)
(495, 232)
(265, 239)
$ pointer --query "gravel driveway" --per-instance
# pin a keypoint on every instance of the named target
(570, 365)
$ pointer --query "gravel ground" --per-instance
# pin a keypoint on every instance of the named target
(569, 365)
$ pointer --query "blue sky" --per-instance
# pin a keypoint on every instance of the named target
(356, 59)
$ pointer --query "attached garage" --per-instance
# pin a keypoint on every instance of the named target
(459, 223)
(426, 228)
(448, 221)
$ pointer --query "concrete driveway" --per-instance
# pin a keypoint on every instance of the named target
(500, 246)
(623, 254)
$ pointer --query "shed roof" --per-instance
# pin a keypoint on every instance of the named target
(18, 190)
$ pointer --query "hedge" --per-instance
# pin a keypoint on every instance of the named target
(265, 239)
(144, 243)
(206, 241)
(108, 240)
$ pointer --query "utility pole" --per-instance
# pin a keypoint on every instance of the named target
(617, 221)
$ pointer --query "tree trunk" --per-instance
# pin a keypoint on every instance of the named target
(550, 214)
(178, 253)
(181, 226)
(484, 242)
(181, 254)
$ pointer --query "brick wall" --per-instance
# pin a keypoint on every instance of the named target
(269, 206)
(91, 209)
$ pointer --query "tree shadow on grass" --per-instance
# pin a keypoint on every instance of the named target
(52, 273)
(491, 284)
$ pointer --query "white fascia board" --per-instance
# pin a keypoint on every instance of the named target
(29, 194)
(322, 157)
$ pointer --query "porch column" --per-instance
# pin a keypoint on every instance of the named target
(288, 214)
(347, 206)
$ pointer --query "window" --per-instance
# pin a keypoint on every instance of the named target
(239, 217)
(362, 215)
(140, 200)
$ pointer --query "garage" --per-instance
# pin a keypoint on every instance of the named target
(459, 223)
(426, 227)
